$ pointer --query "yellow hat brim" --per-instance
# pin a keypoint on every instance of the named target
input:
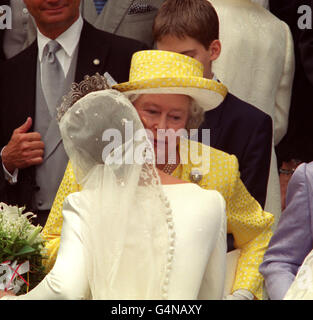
(208, 94)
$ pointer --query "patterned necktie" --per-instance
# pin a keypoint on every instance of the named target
(99, 4)
(52, 76)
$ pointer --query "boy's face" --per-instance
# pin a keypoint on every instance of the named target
(194, 49)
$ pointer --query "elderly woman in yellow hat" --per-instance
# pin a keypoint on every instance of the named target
(129, 233)
(169, 92)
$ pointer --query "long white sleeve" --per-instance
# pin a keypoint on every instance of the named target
(214, 277)
(67, 279)
(199, 257)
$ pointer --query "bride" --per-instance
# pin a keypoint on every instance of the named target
(132, 232)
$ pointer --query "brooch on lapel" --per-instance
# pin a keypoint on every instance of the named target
(96, 62)
(196, 175)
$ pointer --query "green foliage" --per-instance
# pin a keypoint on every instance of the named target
(21, 241)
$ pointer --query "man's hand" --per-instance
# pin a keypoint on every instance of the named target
(24, 149)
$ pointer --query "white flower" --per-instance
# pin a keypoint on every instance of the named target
(12, 211)
(15, 224)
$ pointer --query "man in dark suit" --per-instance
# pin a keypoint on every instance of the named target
(127, 18)
(33, 157)
(243, 130)
(236, 127)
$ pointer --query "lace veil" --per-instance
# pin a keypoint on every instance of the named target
(128, 233)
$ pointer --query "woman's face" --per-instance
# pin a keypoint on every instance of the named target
(161, 112)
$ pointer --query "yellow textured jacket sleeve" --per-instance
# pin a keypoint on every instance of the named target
(53, 226)
(246, 220)
(251, 228)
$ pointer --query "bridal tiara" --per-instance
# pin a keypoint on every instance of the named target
(79, 90)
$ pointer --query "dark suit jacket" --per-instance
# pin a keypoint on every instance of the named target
(287, 11)
(2, 57)
(18, 92)
(243, 130)
(298, 140)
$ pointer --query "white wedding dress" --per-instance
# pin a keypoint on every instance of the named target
(125, 236)
(199, 261)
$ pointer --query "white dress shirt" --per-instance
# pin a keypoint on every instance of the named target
(68, 40)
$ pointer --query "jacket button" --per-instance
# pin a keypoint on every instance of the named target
(96, 62)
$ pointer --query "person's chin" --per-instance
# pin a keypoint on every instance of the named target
(56, 15)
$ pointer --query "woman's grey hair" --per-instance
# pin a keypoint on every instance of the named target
(134, 97)
(196, 116)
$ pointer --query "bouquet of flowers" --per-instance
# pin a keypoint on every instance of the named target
(21, 250)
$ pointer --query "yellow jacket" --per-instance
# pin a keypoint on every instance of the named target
(249, 224)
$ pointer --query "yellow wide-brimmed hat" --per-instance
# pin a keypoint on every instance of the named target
(157, 72)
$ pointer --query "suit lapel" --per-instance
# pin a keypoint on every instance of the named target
(28, 81)
(214, 122)
(25, 106)
(112, 15)
(31, 32)
(88, 11)
(91, 57)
